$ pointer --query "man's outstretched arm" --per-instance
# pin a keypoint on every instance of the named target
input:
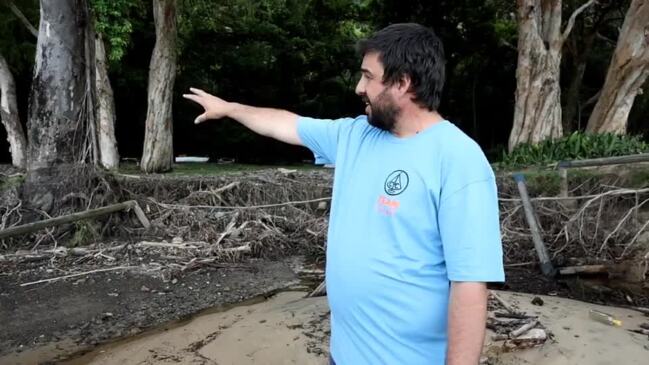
(467, 316)
(278, 124)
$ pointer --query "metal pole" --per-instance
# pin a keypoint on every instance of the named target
(546, 264)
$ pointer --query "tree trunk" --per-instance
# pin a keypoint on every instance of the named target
(158, 139)
(60, 126)
(537, 112)
(571, 118)
(108, 155)
(9, 116)
(627, 73)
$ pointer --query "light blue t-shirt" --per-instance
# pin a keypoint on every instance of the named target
(408, 216)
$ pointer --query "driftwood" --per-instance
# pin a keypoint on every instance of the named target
(320, 290)
(513, 315)
(585, 269)
(92, 213)
(640, 331)
(524, 328)
(238, 207)
(533, 338)
(77, 274)
(504, 303)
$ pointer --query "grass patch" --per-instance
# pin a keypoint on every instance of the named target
(214, 169)
(11, 182)
(84, 231)
(577, 146)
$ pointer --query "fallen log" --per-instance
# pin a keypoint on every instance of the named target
(92, 213)
(584, 269)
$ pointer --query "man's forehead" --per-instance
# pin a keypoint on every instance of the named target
(371, 63)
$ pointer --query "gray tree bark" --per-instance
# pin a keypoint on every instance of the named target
(61, 120)
(626, 74)
(537, 112)
(158, 139)
(10, 118)
(108, 155)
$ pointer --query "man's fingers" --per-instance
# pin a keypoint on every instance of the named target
(197, 91)
(192, 97)
(201, 118)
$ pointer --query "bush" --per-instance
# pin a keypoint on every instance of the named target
(577, 146)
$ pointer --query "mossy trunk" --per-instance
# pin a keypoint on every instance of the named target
(61, 121)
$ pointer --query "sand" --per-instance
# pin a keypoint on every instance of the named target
(288, 329)
(577, 338)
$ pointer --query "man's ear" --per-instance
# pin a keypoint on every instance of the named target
(404, 85)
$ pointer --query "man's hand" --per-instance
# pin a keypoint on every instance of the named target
(215, 108)
(274, 123)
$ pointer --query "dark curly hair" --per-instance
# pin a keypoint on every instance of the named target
(413, 50)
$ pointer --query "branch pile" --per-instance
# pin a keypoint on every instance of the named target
(597, 223)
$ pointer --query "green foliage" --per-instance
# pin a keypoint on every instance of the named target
(574, 147)
(84, 232)
(11, 182)
(113, 22)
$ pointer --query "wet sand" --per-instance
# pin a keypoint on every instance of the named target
(280, 330)
(291, 329)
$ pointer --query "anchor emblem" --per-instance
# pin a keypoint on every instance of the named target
(396, 182)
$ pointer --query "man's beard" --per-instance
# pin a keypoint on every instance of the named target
(383, 112)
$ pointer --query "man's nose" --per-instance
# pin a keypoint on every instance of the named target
(360, 89)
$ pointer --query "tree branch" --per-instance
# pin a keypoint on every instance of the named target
(571, 21)
(591, 101)
(606, 39)
(22, 17)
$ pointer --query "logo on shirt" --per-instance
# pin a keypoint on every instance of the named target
(396, 183)
(387, 206)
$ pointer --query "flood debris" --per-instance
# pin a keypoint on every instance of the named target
(517, 329)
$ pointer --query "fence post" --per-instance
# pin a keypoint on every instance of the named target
(546, 264)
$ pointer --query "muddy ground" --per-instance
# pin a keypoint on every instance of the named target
(83, 312)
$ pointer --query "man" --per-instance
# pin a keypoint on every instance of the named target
(414, 231)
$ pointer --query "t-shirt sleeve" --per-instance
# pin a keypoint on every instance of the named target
(322, 136)
(470, 230)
